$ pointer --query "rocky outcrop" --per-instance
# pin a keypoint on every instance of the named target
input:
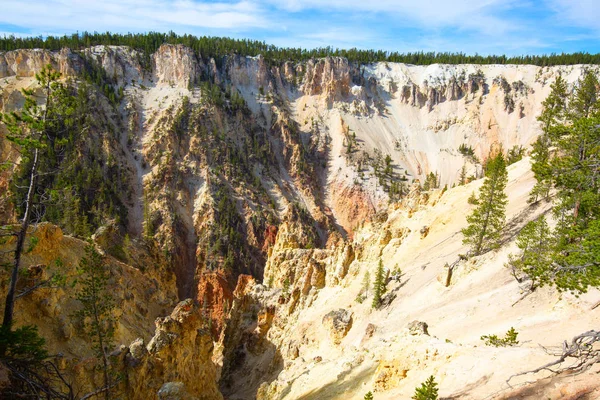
(329, 77)
(388, 375)
(215, 297)
(26, 63)
(431, 94)
(418, 328)
(338, 323)
(176, 65)
(250, 357)
(250, 72)
(123, 65)
(177, 362)
(139, 297)
(174, 391)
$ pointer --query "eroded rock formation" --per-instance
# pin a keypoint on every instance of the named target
(258, 197)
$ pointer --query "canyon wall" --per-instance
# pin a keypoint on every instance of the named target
(258, 195)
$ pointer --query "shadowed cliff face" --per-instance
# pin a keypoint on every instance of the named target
(287, 173)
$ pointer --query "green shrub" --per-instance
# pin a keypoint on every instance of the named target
(23, 343)
(510, 339)
(515, 154)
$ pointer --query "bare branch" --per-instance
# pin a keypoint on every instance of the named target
(38, 285)
(100, 391)
(581, 350)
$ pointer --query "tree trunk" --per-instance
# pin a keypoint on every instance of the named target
(10, 297)
(102, 349)
(449, 276)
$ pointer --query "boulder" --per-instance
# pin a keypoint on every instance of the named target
(338, 322)
(418, 328)
(137, 348)
(174, 391)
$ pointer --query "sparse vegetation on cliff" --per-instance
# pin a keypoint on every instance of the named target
(220, 187)
(78, 185)
(510, 339)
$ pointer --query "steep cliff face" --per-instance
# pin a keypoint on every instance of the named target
(177, 362)
(141, 290)
(26, 63)
(290, 181)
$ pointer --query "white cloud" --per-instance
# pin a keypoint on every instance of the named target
(580, 13)
(479, 15)
(334, 36)
(484, 26)
(134, 15)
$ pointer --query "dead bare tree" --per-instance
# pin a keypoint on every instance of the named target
(582, 351)
(39, 380)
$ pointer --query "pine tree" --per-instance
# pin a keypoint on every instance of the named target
(487, 219)
(368, 396)
(366, 283)
(569, 256)
(540, 166)
(431, 181)
(31, 130)
(575, 168)
(535, 243)
(552, 117)
(554, 109)
(378, 285)
(97, 309)
(427, 391)
(463, 175)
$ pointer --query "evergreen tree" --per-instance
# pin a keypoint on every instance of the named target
(575, 168)
(431, 182)
(368, 396)
(427, 391)
(515, 154)
(33, 131)
(463, 175)
(97, 309)
(487, 219)
(552, 118)
(378, 285)
(535, 243)
(540, 166)
(38, 133)
(570, 255)
(366, 283)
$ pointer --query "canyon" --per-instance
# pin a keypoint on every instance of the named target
(258, 194)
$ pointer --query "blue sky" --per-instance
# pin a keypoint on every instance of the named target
(472, 26)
